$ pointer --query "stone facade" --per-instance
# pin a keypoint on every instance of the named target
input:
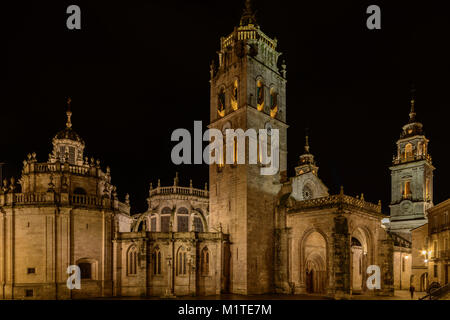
(431, 251)
(419, 267)
(62, 212)
(171, 250)
(247, 234)
(438, 243)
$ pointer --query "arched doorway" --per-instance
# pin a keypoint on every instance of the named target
(360, 260)
(315, 266)
(357, 265)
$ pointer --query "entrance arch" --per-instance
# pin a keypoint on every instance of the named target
(361, 258)
(314, 271)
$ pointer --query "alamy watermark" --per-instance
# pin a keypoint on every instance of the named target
(74, 280)
(234, 145)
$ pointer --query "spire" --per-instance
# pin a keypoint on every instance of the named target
(412, 113)
(69, 113)
(176, 179)
(306, 141)
(248, 16)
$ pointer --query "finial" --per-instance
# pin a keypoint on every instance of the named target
(159, 183)
(175, 180)
(306, 140)
(248, 16)
(283, 69)
(412, 113)
(342, 190)
(69, 114)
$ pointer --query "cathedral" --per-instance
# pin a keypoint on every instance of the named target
(244, 233)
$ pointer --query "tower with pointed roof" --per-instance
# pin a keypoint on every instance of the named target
(306, 184)
(248, 91)
(411, 177)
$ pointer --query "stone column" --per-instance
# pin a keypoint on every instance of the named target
(341, 258)
(281, 263)
(386, 253)
(192, 258)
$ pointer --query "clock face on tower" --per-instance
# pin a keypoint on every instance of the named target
(307, 193)
(406, 206)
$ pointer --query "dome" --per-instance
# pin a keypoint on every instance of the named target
(69, 134)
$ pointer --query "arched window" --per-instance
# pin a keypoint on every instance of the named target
(157, 261)
(153, 224)
(408, 151)
(183, 219)
(198, 224)
(132, 261)
(204, 262)
(235, 95)
(407, 189)
(260, 95)
(221, 102)
(273, 103)
(181, 262)
(165, 219)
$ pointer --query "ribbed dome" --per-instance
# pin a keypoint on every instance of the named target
(69, 134)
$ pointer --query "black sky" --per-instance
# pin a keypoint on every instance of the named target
(136, 71)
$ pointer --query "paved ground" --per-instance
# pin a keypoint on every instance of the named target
(399, 295)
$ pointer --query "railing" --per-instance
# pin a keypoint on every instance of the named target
(51, 198)
(84, 200)
(399, 160)
(436, 293)
(337, 200)
(179, 190)
(53, 167)
(248, 32)
(27, 198)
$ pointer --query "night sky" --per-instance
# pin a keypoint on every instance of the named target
(136, 71)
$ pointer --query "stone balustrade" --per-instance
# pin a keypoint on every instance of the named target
(45, 167)
(335, 201)
(189, 191)
(63, 199)
(400, 160)
(248, 32)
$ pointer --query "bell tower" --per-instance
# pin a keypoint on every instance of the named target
(411, 176)
(248, 91)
